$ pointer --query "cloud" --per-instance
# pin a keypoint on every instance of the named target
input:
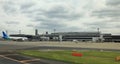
(62, 15)
(12, 22)
(55, 25)
(111, 11)
(27, 5)
(9, 7)
(98, 24)
(30, 25)
(55, 12)
(51, 25)
(108, 12)
(113, 2)
(54, 17)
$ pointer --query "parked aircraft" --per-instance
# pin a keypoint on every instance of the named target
(6, 37)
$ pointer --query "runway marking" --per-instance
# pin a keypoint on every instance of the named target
(9, 54)
(27, 61)
(11, 59)
(22, 61)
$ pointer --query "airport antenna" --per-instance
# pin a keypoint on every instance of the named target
(36, 31)
(54, 30)
(98, 30)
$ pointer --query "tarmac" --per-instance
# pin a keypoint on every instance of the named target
(23, 45)
(8, 56)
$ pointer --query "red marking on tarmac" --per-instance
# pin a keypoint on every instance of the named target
(78, 54)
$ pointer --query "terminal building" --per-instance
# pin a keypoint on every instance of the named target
(81, 36)
(72, 36)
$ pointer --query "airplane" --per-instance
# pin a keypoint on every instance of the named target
(6, 37)
(35, 37)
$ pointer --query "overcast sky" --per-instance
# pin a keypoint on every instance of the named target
(62, 15)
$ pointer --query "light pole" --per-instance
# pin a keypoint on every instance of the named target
(54, 31)
(98, 30)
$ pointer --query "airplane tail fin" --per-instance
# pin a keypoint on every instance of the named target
(5, 36)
